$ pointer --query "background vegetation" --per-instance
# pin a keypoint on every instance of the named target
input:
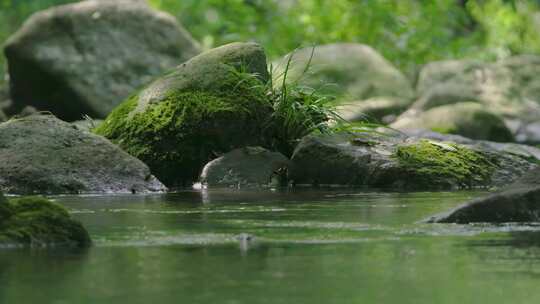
(408, 33)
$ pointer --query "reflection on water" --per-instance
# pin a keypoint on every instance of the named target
(319, 246)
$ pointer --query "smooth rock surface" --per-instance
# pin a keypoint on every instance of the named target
(86, 57)
(42, 154)
(519, 202)
(248, 167)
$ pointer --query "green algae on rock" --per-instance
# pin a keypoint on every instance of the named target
(442, 164)
(38, 222)
(204, 108)
(401, 162)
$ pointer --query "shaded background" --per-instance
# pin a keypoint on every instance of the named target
(408, 33)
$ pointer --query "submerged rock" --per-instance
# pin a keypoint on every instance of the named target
(508, 88)
(42, 154)
(86, 57)
(207, 106)
(519, 202)
(468, 119)
(350, 72)
(246, 168)
(371, 159)
(38, 222)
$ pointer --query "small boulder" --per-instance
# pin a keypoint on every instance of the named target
(38, 222)
(519, 202)
(42, 154)
(249, 167)
(348, 71)
(208, 106)
(86, 57)
(399, 162)
(468, 119)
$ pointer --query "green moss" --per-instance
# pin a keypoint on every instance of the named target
(444, 164)
(178, 135)
(36, 221)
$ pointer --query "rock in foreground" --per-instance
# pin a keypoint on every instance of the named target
(398, 162)
(519, 202)
(85, 58)
(37, 222)
(249, 167)
(42, 154)
(206, 107)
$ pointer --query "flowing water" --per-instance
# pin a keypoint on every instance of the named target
(273, 247)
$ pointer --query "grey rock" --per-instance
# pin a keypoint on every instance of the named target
(86, 57)
(519, 202)
(42, 154)
(249, 167)
(402, 162)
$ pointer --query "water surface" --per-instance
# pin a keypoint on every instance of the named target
(324, 246)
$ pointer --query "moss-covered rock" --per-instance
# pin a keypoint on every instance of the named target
(397, 162)
(207, 106)
(38, 222)
(469, 119)
(248, 167)
(86, 57)
(427, 163)
(42, 154)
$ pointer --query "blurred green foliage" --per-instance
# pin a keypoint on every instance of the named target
(408, 33)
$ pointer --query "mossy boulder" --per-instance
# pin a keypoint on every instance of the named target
(38, 222)
(509, 88)
(42, 154)
(399, 162)
(519, 202)
(206, 107)
(86, 57)
(248, 167)
(469, 119)
(350, 72)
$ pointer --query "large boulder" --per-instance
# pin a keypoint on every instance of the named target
(400, 162)
(248, 167)
(519, 202)
(42, 154)
(38, 222)
(469, 119)
(85, 58)
(206, 107)
(509, 88)
(350, 72)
